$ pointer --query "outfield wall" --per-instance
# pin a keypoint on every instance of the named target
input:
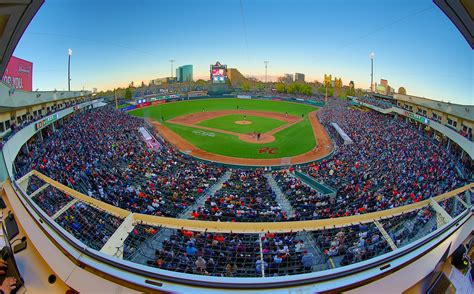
(166, 99)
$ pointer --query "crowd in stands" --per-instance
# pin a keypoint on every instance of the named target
(51, 200)
(90, 225)
(352, 244)
(245, 196)
(408, 227)
(307, 202)
(15, 127)
(375, 102)
(229, 255)
(101, 153)
(389, 164)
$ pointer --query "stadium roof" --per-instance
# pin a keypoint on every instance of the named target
(462, 111)
(461, 13)
(15, 15)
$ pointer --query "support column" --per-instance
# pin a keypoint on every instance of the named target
(385, 235)
(260, 236)
(449, 144)
(38, 190)
(442, 217)
(115, 242)
(458, 200)
(64, 208)
(468, 197)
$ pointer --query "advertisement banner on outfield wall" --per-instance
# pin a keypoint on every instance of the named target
(158, 102)
(244, 96)
(145, 104)
(19, 74)
(128, 108)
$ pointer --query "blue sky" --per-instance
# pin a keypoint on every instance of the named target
(115, 42)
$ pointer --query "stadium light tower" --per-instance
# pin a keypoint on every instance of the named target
(171, 62)
(69, 53)
(266, 64)
(372, 56)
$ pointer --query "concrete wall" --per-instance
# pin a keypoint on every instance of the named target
(18, 98)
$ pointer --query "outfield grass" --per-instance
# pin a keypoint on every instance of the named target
(259, 124)
(175, 109)
(292, 141)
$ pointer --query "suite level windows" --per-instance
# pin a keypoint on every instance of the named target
(452, 122)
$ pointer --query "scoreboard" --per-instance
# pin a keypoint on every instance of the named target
(218, 73)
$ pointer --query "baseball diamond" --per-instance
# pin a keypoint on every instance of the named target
(249, 132)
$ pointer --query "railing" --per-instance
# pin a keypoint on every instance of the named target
(239, 227)
(392, 233)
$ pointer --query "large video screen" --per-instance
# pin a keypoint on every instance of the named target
(218, 73)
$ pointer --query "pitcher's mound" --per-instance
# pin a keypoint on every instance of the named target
(243, 122)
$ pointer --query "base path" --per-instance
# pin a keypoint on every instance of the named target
(323, 143)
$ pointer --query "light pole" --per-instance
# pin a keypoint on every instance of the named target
(69, 53)
(372, 56)
(171, 62)
(266, 64)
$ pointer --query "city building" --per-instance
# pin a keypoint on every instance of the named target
(383, 88)
(299, 77)
(337, 82)
(235, 77)
(184, 73)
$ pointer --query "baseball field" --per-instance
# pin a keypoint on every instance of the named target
(241, 131)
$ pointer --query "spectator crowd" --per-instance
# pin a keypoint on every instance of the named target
(101, 153)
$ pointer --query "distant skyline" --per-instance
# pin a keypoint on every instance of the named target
(115, 42)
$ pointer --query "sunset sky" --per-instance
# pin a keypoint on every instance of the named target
(115, 42)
